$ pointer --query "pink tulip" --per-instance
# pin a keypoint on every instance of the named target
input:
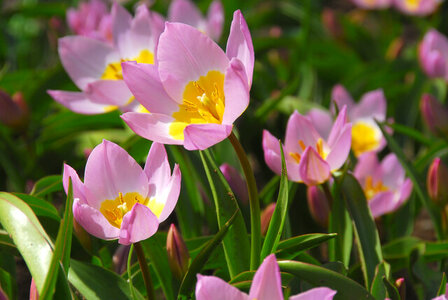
(195, 91)
(266, 216)
(435, 115)
(436, 182)
(310, 158)
(384, 185)
(373, 4)
(14, 111)
(433, 54)
(236, 182)
(417, 7)
(178, 255)
(318, 205)
(119, 200)
(266, 285)
(185, 11)
(95, 66)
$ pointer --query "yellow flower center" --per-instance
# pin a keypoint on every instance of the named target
(203, 103)
(412, 4)
(371, 189)
(113, 70)
(319, 149)
(364, 138)
(114, 210)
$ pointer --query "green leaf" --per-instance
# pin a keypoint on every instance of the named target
(391, 289)
(369, 244)
(47, 185)
(7, 244)
(411, 132)
(277, 222)
(200, 260)
(294, 245)
(319, 276)
(7, 282)
(442, 288)
(244, 279)
(40, 207)
(267, 193)
(378, 290)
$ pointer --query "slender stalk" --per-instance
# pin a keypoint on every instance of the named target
(145, 271)
(128, 269)
(255, 221)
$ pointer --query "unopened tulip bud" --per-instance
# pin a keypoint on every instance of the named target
(266, 216)
(236, 182)
(331, 23)
(178, 255)
(401, 287)
(13, 110)
(437, 182)
(120, 258)
(318, 205)
(435, 115)
(34, 295)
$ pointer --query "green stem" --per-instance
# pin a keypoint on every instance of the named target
(128, 269)
(255, 222)
(145, 271)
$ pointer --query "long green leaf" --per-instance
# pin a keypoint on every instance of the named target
(275, 228)
(442, 288)
(46, 185)
(40, 207)
(378, 290)
(294, 245)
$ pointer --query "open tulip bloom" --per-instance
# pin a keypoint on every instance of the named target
(119, 199)
(309, 157)
(266, 285)
(433, 54)
(373, 4)
(195, 91)
(95, 66)
(417, 7)
(384, 185)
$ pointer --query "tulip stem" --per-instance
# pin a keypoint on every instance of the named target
(255, 221)
(145, 271)
(128, 269)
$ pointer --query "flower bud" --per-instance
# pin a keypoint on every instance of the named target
(120, 258)
(178, 255)
(236, 182)
(266, 216)
(437, 182)
(401, 287)
(34, 294)
(13, 110)
(318, 205)
(435, 115)
(432, 54)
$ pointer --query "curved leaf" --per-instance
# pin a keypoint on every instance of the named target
(40, 207)
(300, 243)
(47, 185)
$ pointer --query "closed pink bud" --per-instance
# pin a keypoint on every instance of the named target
(178, 255)
(120, 258)
(437, 182)
(434, 114)
(266, 216)
(13, 110)
(318, 205)
(236, 182)
(401, 287)
(34, 295)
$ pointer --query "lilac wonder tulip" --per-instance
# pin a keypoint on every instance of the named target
(417, 7)
(119, 200)
(310, 158)
(435, 115)
(195, 91)
(384, 185)
(266, 285)
(373, 4)
(95, 66)
(185, 11)
(433, 54)
(436, 182)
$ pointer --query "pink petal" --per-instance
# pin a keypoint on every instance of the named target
(93, 221)
(121, 23)
(342, 97)
(215, 20)
(366, 166)
(382, 203)
(143, 34)
(185, 11)
(267, 284)
(240, 45)
(236, 182)
(377, 4)
(138, 225)
(392, 171)
(77, 185)
(214, 288)
(85, 59)
(203, 136)
(300, 128)
(372, 105)
(313, 169)
(157, 168)
(321, 120)
(78, 102)
(404, 192)
(236, 91)
(144, 82)
(340, 148)
(338, 127)
(184, 54)
(154, 127)
(110, 170)
(109, 92)
(170, 194)
(322, 293)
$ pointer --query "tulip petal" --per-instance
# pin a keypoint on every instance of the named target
(322, 293)
(392, 171)
(186, 12)
(404, 192)
(382, 203)
(321, 120)
(144, 82)
(372, 105)
(215, 20)
(266, 284)
(214, 288)
(366, 166)
(154, 127)
(109, 92)
(184, 54)
(77, 185)
(239, 44)
(338, 127)
(203, 136)
(157, 168)
(300, 128)
(138, 224)
(172, 191)
(121, 23)
(313, 169)
(236, 91)
(93, 221)
(340, 148)
(341, 97)
(85, 59)
(78, 102)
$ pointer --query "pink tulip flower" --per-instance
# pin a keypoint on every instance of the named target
(435, 115)
(266, 285)
(384, 185)
(91, 19)
(95, 66)
(119, 200)
(310, 158)
(417, 7)
(373, 4)
(185, 11)
(433, 54)
(195, 91)
(236, 182)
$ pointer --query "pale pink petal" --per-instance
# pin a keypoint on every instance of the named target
(404, 192)
(322, 121)
(313, 169)
(110, 170)
(184, 54)
(341, 97)
(392, 171)
(382, 203)
(203, 136)
(423, 8)
(170, 194)
(157, 168)
(77, 185)
(185, 11)
(138, 225)
(366, 166)
(236, 182)
(109, 92)
(78, 102)
(338, 127)
(214, 288)
(144, 82)
(121, 23)
(236, 91)
(93, 221)
(267, 284)
(340, 148)
(321, 293)
(240, 45)
(215, 20)
(143, 35)
(300, 128)
(372, 105)
(376, 4)
(154, 127)
(85, 59)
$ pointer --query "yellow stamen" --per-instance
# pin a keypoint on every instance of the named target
(319, 147)
(364, 138)
(371, 188)
(413, 4)
(113, 70)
